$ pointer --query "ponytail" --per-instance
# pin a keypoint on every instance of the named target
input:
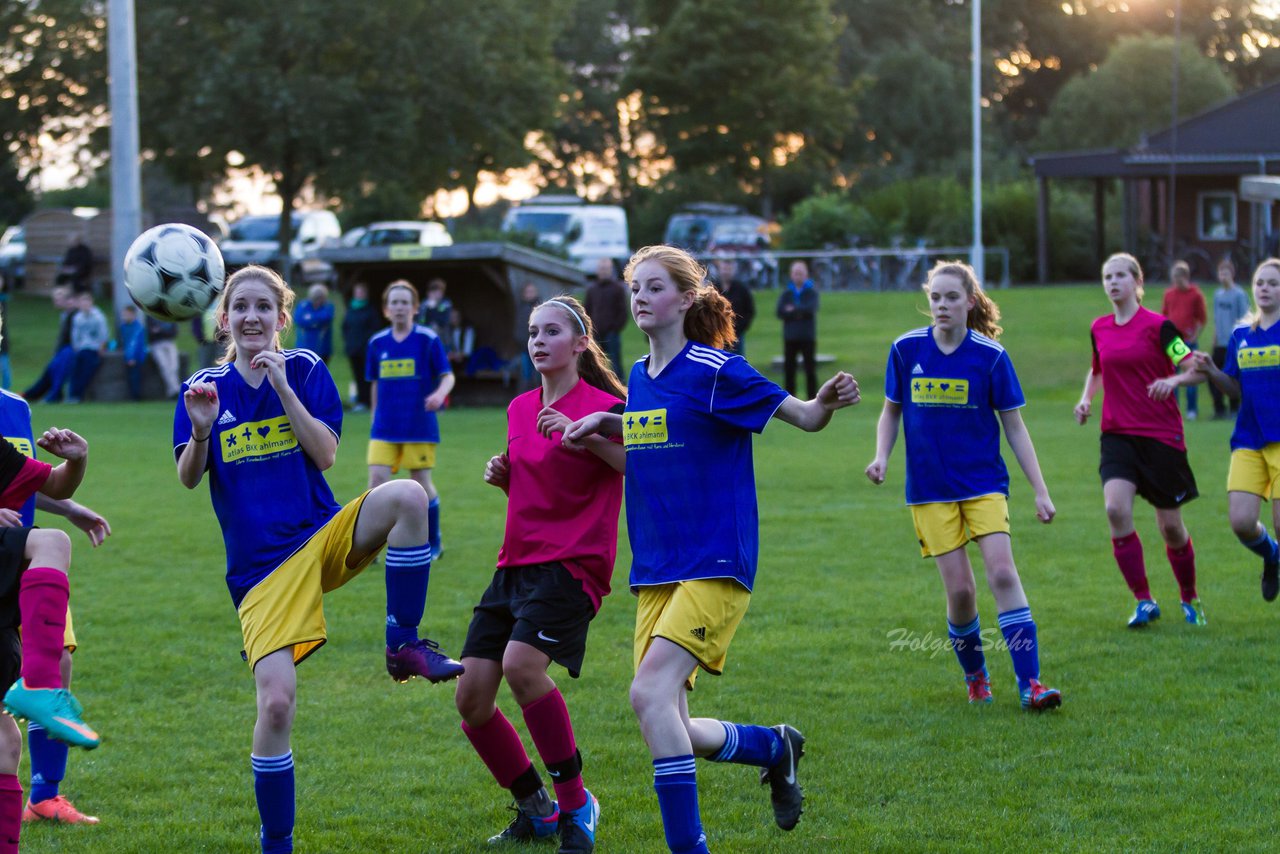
(709, 320)
(984, 317)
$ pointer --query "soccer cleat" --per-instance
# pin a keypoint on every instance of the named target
(578, 827)
(55, 709)
(785, 792)
(1270, 580)
(1146, 611)
(57, 809)
(979, 684)
(422, 658)
(437, 553)
(528, 828)
(1194, 612)
(1037, 698)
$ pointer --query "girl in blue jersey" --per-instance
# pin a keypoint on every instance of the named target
(691, 410)
(1252, 375)
(264, 425)
(953, 387)
(409, 372)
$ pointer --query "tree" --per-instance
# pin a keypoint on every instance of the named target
(52, 85)
(1129, 95)
(736, 89)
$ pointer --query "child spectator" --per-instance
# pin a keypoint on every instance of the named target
(133, 344)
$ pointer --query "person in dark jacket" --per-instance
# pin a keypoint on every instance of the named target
(798, 311)
(739, 296)
(358, 326)
(608, 304)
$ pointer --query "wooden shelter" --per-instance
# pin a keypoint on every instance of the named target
(1201, 160)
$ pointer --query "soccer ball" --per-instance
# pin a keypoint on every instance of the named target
(173, 271)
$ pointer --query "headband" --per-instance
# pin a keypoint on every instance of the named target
(582, 326)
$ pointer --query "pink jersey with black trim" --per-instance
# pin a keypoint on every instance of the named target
(1130, 357)
(562, 505)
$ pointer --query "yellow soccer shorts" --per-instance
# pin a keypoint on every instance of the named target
(402, 455)
(285, 609)
(945, 526)
(700, 615)
(1255, 472)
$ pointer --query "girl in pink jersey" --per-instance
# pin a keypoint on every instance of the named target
(1136, 358)
(553, 570)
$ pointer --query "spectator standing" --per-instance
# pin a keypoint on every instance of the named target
(524, 311)
(164, 350)
(55, 372)
(437, 309)
(89, 335)
(358, 326)
(6, 376)
(77, 264)
(204, 327)
(133, 345)
(1230, 305)
(608, 306)
(740, 298)
(798, 311)
(1184, 306)
(314, 319)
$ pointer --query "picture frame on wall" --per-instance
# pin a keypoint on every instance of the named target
(1216, 215)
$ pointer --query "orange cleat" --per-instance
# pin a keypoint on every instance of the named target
(57, 808)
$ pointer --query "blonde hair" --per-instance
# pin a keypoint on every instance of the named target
(1253, 318)
(984, 317)
(709, 320)
(1135, 269)
(401, 283)
(275, 284)
(593, 365)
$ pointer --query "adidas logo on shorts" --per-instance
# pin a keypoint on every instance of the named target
(700, 633)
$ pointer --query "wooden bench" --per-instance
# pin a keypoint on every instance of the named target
(111, 382)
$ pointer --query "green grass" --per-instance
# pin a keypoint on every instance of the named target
(1163, 742)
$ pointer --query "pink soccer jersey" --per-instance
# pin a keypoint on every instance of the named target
(562, 505)
(1130, 357)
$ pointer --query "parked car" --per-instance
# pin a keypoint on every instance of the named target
(256, 240)
(402, 232)
(584, 232)
(707, 228)
(13, 256)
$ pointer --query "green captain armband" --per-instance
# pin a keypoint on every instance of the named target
(1177, 350)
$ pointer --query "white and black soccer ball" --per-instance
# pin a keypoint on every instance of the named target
(174, 271)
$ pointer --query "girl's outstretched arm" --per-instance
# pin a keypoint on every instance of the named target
(812, 415)
(1015, 430)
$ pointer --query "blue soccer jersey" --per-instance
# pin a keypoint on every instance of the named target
(406, 373)
(15, 428)
(949, 404)
(690, 485)
(1253, 358)
(268, 495)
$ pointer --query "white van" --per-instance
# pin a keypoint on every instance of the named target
(256, 240)
(586, 233)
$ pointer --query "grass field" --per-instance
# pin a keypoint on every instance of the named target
(1165, 740)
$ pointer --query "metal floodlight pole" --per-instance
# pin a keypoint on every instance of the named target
(126, 190)
(976, 259)
(1171, 237)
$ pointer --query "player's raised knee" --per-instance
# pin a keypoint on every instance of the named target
(49, 547)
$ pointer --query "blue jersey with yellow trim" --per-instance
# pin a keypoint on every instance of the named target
(1253, 358)
(406, 373)
(15, 428)
(690, 484)
(949, 403)
(268, 495)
